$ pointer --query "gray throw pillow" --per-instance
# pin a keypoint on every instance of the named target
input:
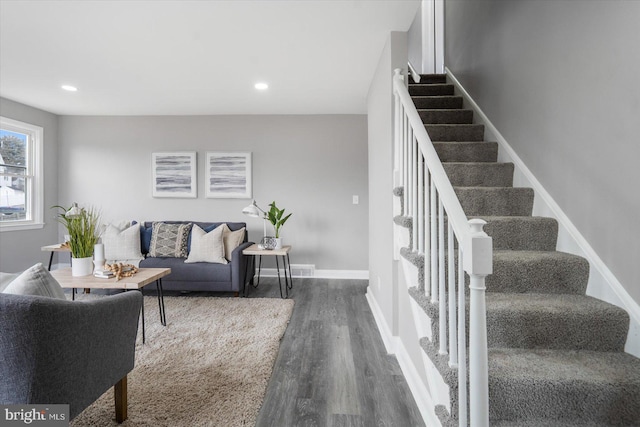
(36, 281)
(169, 240)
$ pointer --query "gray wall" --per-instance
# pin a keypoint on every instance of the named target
(382, 267)
(21, 249)
(559, 81)
(310, 165)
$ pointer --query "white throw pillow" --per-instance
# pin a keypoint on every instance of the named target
(122, 244)
(36, 281)
(231, 239)
(206, 247)
(6, 278)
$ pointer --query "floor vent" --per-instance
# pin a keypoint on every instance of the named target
(303, 270)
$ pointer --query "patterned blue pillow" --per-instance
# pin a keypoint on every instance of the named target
(169, 240)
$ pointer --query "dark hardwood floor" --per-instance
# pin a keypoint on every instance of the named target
(332, 368)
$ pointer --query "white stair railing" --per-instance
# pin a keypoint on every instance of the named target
(430, 200)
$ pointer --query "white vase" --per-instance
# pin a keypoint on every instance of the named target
(82, 266)
(278, 243)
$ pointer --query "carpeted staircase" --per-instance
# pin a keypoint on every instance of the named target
(556, 356)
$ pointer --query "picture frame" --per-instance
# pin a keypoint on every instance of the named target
(228, 175)
(174, 174)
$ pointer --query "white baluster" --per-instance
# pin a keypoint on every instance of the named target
(451, 272)
(405, 175)
(420, 221)
(397, 166)
(462, 344)
(427, 238)
(441, 282)
(434, 245)
(410, 148)
(414, 176)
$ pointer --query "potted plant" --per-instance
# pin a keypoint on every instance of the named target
(277, 218)
(82, 228)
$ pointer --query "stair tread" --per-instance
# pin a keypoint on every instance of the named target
(430, 84)
(493, 189)
(515, 218)
(505, 201)
(511, 255)
(564, 304)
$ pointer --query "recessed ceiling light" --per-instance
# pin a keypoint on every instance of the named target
(70, 88)
(261, 86)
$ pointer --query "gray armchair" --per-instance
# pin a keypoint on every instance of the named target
(56, 351)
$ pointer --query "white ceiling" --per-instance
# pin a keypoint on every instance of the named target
(195, 57)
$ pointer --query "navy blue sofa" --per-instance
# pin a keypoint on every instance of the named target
(200, 276)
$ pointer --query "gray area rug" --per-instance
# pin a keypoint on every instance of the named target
(209, 366)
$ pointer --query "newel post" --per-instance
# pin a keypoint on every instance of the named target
(478, 263)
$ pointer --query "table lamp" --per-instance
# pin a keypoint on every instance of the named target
(253, 210)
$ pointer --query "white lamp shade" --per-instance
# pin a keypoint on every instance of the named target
(251, 210)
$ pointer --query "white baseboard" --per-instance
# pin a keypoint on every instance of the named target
(394, 345)
(602, 282)
(323, 274)
(388, 338)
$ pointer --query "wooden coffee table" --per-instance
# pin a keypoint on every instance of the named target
(138, 281)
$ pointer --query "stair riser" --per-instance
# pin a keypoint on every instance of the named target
(430, 90)
(455, 132)
(522, 233)
(437, 102)
(563, 274)
(560, 327)
(467, 151)
(478, 201)
(430, 79)
(432, 117)
(513, 233)
(557, 330)
(553, 275)
(480, 174)
(615, 405)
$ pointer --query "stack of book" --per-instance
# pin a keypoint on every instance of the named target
(104, 274)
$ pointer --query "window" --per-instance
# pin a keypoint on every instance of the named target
(21, 192)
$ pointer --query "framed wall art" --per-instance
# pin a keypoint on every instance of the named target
(174, 174)
(228, 175)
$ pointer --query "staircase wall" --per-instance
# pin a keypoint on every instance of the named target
(397, 316)
(602, 282)
(557, 79)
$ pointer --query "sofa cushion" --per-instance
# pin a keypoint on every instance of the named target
(206, 246)
(169, 240)
(146, 230)
(121, 244)
(35, 280)
(198, 272)
(231, 239)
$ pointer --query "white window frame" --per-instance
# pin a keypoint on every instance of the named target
(35, 171)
